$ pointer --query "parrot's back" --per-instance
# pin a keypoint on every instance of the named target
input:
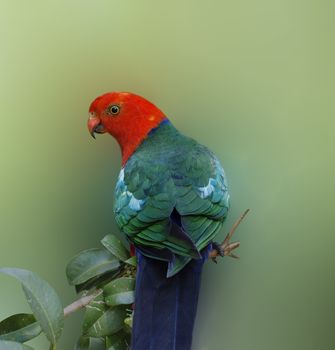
(171, 200)
(171, 197)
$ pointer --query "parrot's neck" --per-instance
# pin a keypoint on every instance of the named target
(132, 143)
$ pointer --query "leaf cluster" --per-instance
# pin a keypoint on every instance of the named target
(107, 274)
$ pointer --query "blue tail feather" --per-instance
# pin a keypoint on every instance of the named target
(165, 308)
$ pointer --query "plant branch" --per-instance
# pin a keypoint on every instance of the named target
(81, 303)
(226, 247)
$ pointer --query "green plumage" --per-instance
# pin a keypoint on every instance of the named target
(168, 173)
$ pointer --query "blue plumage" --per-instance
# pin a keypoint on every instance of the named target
(165, 308)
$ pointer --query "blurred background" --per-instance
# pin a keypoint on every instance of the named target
(253, 80)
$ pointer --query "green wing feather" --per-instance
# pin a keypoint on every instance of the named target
(171, 172)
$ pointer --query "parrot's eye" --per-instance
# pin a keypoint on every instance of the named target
(113, 109)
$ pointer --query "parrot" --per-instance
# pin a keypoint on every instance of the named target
(171, 199)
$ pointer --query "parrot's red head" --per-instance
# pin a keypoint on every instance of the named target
(127, 117)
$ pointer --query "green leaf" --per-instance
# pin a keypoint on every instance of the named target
(43, 301)
(115, 246)
(87, 343)
(93, 311)
(132, 261)
(90, 263)
(118, 341)
(20, 328)
(97, 282)
(128, 323)
(120, 291)
(12, 345)
(110, 322)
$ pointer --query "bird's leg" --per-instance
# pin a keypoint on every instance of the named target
(226, 247)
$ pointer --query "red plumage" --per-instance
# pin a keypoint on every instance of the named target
(137, 116)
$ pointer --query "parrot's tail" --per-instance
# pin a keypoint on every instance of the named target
(165, 308)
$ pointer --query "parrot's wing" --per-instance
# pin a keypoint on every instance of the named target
(202, 200)
(204, 204)
(143, 208)
(172, 200)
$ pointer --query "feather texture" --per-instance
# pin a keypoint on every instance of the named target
(171, 177)
(165, 308)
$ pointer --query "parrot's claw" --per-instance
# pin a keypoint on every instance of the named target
(219, 248)
(224, 250)
(226, 247)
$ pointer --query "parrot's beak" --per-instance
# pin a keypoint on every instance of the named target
(94, 125)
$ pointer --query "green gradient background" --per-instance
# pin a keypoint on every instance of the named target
(253, 80)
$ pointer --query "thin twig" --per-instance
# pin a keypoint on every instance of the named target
(226, 246)
(81, 303)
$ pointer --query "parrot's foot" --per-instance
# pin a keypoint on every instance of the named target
(219, 248)
(226, 247)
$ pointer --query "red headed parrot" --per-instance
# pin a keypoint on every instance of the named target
(171, 199)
